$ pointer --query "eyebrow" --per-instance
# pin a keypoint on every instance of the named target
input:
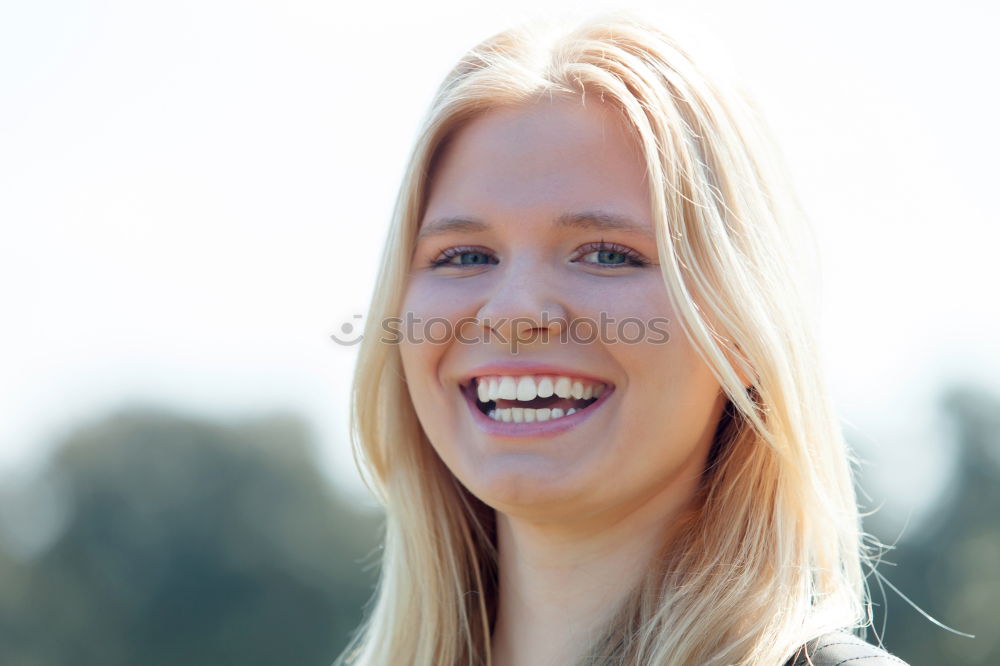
(588, 220)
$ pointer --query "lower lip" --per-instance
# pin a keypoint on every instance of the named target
(535, 428)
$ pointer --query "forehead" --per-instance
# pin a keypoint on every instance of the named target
(547, 158)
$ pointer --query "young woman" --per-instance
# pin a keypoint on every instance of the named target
(588, 393)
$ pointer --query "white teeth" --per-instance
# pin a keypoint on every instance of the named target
(528, 415)
(508, 389)
(526, 389)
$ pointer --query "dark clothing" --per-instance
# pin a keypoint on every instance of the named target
(839, 648)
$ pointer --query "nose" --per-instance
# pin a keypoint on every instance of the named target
(523, 303)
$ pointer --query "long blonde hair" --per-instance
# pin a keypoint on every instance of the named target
(772, 556)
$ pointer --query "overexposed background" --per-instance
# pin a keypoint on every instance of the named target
(193, 197)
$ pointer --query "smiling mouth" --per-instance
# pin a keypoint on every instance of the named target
(533, 398)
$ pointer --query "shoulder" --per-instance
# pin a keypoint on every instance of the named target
(841, 648)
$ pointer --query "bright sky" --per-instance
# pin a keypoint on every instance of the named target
(193, 196)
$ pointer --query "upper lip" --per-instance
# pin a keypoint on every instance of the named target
(521, 368)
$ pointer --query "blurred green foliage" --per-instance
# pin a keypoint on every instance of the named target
(950, 565)
(189, 542)
(176, 540)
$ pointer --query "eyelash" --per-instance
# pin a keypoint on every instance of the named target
(632, 258)
(446, 255)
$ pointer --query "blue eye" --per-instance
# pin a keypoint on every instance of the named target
(463, 256)
(610, 254)
(473, 258)
(610, 257)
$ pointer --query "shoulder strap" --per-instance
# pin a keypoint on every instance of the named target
(839, 648)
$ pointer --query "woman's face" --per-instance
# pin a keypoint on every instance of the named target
(539, 224)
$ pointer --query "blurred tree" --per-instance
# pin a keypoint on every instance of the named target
(190, 542)
(950, 567)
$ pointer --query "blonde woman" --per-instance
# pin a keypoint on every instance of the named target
(588, 393)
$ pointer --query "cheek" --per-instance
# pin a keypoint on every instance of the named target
(446, 299)
(429, 315)
(671, 407)
(437, 310)
(421, 363)
(630, 310)
(417, 358)
(670, 390)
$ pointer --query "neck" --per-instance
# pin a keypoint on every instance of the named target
(559, 586)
